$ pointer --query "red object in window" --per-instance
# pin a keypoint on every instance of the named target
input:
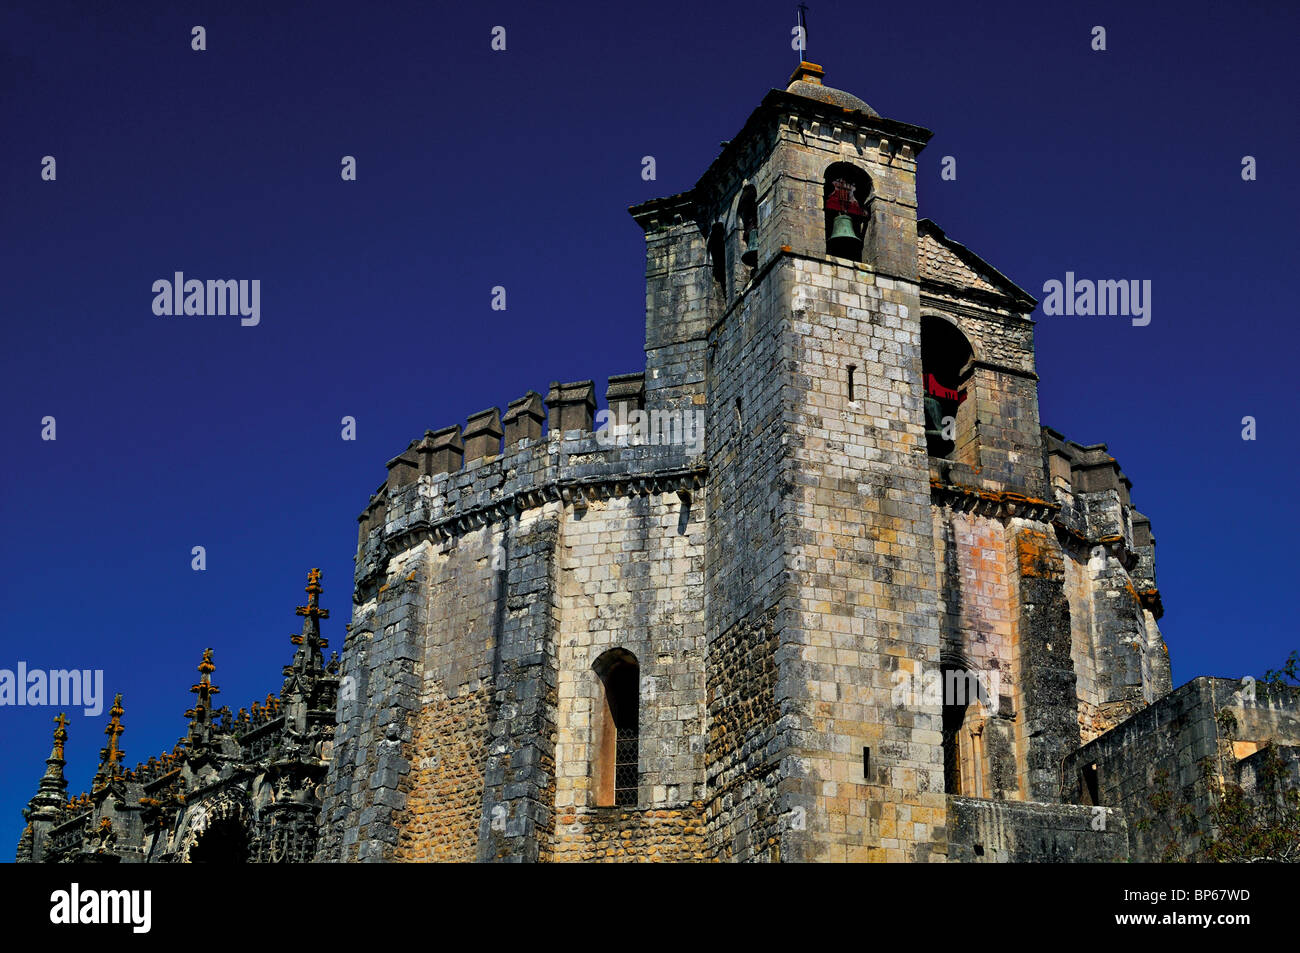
(933, 387)
(842, 199)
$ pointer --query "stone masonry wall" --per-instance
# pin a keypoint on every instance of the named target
(454, 652)
(977, 624)
(1049, 727)
(378, 697)
(672, 835)
(743, 779)
(992, 832)
(1195, 737)
(631, 577)
(750, 507)
(866, 600)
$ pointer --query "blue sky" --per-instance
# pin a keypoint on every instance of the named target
(478, 169)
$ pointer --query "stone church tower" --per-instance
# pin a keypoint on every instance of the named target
(617, 642)
(815, 585)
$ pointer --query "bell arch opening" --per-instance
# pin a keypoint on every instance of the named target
(947, 360)
(846, 199)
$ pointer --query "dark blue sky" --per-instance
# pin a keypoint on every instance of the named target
(478, 169)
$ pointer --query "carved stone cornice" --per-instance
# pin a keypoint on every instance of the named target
(995, 504)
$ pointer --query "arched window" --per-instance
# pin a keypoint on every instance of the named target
(747, 211)
(846, 194)
(964, 696)
(617, 762)
(945, 372)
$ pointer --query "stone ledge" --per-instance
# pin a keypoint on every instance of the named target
(991, 832)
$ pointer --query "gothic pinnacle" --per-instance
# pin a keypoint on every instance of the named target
(307, 660)
(53, 787)
(110, 756)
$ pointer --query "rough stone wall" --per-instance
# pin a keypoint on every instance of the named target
(1198, 736)
(617, 835)
(518, 815)
(743, 778)
(749, 508)
(378, 698)
(1120, 656)
(444, 788)
(1049, 727)
(454, 652)
(938, 263)
(679, 289)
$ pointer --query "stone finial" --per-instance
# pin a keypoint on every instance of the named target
(523, 418)
(444, 450)
(572, 406)
(404, 468)
(626, 393)
(483, 434)
(808, 73)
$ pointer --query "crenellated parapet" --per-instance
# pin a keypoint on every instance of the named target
(453, 480)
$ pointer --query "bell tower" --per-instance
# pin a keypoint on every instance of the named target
(782, 296)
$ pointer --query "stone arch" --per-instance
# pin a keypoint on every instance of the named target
(965, 699)
(218, 830)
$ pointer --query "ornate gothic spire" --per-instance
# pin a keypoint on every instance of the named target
(307, 660)
(110, 756)
(200, 715)
(309, 684)
(52, 791)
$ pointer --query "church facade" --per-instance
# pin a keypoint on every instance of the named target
(236, 788)
(816, 585)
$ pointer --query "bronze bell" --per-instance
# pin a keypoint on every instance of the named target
(750, 256)
(933, 418)
(844, 240)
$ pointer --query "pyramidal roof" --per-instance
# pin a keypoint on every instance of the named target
(806, 81)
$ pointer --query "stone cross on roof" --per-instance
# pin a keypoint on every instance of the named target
(60, 734)
(312, 609)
